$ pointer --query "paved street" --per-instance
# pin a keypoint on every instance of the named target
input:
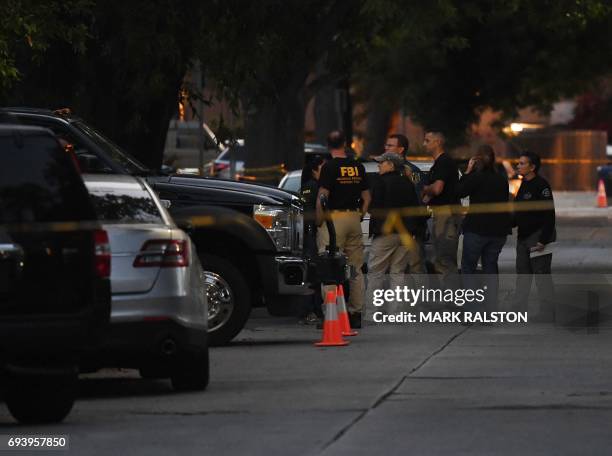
(426, 390)
(437, 389)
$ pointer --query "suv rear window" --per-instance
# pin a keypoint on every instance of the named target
(124, 206)
(39, 182)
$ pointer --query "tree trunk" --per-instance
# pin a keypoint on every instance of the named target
(274, 136)
(326, 115)
(147, 139)
(346, 109)
(378, 122)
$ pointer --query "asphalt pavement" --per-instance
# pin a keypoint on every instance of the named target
(429, 389)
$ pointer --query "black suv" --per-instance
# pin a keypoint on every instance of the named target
(249, 236)
(54, 274)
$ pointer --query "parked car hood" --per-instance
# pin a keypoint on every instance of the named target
(258, 191)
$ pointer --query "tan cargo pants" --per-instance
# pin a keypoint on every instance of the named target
(349, 241)
(387, 256)
(445, 243)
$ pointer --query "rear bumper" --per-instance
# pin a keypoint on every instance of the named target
(144, 328)
(57, 339)
(138, 344)
(189, 310)
(53, 339)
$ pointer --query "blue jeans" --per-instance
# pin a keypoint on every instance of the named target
(486, 248)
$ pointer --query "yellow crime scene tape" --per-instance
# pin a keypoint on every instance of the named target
(393, 217)
(394, 223)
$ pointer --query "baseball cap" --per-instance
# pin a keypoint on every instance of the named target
(396, 159)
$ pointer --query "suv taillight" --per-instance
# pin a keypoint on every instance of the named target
(163, 253)
(102, 254)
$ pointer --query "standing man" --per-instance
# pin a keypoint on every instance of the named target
(441, 195)
(536, 229)
(311, 312)
(343, 182)
(399, 144)
(388, 252)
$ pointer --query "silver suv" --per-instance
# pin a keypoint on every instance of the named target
(159, 313)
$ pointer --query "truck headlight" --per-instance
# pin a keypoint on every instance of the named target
(277, 222)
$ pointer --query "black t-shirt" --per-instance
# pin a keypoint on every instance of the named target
(345, 178)
(444, 169)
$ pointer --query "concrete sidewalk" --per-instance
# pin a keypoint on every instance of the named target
(580, 204)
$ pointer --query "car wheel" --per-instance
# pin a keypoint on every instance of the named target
(228, 297)
(35, 399)
(191, 372)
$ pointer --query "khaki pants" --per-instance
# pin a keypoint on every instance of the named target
(349, 241)
(445, 243)
(416, 257)
(387, 253)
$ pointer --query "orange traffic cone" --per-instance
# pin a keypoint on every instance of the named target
(602, 199)
(332, 334)
(345, 324)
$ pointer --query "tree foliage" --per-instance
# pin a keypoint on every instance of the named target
(447, 61)
(28, 27)
(120, 64)
(262, 61)
(125, 76)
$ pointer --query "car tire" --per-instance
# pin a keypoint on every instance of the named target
(34, 399)
(229, 299)
(192, 372)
